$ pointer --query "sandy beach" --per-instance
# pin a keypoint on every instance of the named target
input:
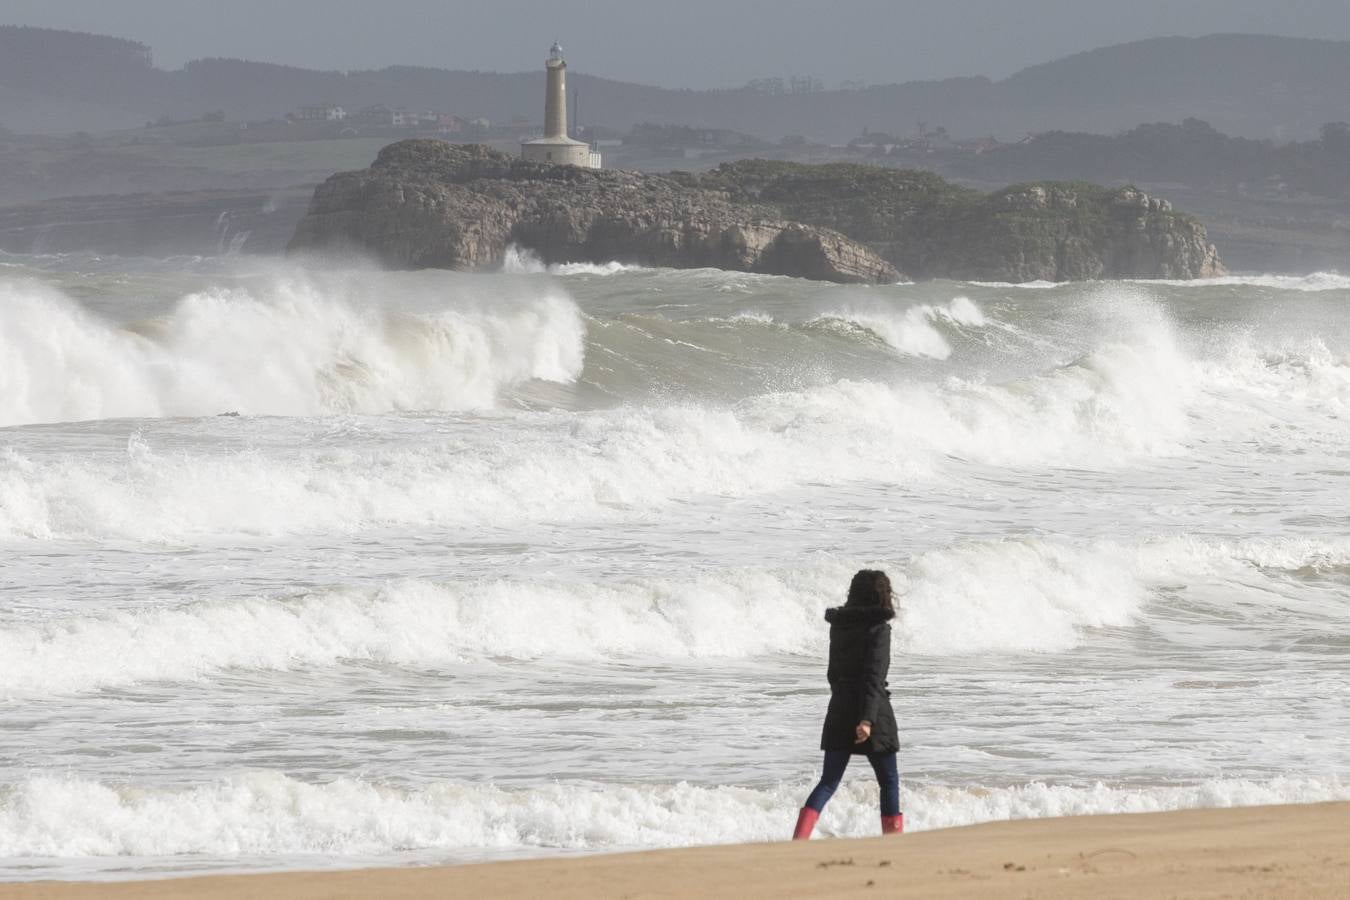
(1275, 851)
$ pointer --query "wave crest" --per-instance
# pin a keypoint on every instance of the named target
(1002, 596)
(288, 346)
(912, 331)
(521, 261)
(269, 815)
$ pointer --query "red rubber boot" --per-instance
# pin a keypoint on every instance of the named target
(806, 823)
(893, 824)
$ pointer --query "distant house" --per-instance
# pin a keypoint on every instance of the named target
(406, 118)
(381, 116)
(321, 112)
(697, 141)
(519, 128)
(377, 116)
(450, 126)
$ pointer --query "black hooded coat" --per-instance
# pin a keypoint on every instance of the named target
(860, 659)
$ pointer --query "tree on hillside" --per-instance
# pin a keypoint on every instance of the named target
(1336, 139)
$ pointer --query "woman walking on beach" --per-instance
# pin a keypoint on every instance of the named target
(860, 720)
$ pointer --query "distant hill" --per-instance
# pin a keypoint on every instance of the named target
(1192, 153)
(1245, 85)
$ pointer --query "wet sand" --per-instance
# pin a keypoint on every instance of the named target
(1265, 852)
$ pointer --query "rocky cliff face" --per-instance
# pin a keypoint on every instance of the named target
(1068, 232)
(425, 203)
(930, 228)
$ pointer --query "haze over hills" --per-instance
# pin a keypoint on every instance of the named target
(1244, 85)
(1240, 130)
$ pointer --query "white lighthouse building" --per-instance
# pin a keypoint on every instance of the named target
(555, 146)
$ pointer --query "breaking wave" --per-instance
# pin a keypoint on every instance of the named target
(1123, 400)
(288, 346)
(911, 331)
(521, 261)
(268, 815)
(295, 347)
(1313, 283)
(1011, 596)
(1007, 596)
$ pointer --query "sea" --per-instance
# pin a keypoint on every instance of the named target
(304, 566)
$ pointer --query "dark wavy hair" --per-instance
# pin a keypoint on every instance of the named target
(870, 587)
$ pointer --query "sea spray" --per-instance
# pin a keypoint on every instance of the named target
(521, 261)
(1126, 399)
(290, 346)
(1023, 595)
(911, 330)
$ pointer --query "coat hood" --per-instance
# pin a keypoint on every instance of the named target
(858, 615)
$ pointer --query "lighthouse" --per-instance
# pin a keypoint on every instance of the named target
(556, 147)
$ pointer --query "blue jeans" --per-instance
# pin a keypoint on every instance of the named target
(836, 761)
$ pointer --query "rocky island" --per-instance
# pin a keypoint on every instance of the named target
(426, 203)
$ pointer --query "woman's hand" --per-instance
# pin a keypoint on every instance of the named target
(863, 731)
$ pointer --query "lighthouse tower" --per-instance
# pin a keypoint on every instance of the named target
(555, 146)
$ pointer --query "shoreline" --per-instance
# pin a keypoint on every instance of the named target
(1298, 851)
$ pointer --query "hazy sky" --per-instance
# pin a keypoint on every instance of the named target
(676, 43)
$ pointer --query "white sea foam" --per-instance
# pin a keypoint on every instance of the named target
(521, 261)
(1039, 285)
(417, 622)
(289, 346)
(1188, 556)
(1128, 398)
(1015, 595)
(758, 317)
(1012, 596)
(936, 807)
(270, 815)
(912, 331)
(1138, 395)
(1005, 596)
(1288, 378)
(1315, 282)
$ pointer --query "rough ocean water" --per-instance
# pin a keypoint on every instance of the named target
(303, 568)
